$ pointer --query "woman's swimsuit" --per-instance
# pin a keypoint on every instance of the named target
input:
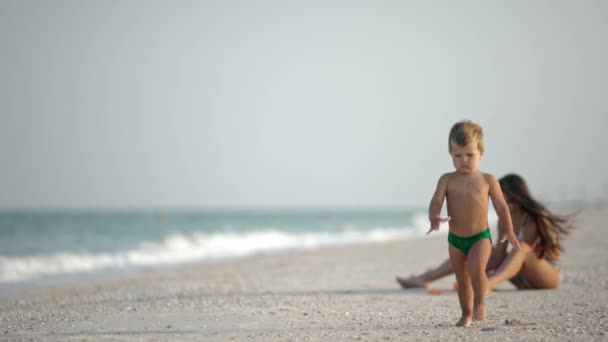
(520, 232)
(465, 243)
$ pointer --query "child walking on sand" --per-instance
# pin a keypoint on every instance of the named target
(467, 191)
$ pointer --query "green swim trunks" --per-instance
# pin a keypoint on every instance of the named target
(465, 243)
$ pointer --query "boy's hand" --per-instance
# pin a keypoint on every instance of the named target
(512, 239)
(435, 221)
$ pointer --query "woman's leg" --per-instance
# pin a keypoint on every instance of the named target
(425, 279)
(524, 262)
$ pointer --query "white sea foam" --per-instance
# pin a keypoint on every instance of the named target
(188, 247)
(180, 248)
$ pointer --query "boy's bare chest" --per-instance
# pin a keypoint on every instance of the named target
(468, 189)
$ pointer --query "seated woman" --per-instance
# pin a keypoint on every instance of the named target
(536, 265)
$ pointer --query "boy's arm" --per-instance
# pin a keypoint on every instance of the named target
(502, 210)
(437, 203)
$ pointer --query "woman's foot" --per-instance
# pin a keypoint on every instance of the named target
(412, 283)
(465, 322)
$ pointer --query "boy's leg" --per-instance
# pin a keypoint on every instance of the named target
(465, 292)
(478, 257)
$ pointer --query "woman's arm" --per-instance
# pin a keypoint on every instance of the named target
(499, 253)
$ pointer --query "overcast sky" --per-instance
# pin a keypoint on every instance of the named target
(294, 104)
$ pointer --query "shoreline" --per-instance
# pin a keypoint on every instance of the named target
(142, 242)
(332, 293)
(75, 277)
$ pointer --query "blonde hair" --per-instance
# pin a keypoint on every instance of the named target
(465, 132)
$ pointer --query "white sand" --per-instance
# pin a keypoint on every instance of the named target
(342, 293)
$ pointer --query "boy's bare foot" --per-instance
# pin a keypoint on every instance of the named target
(479, 313)
(412, 283)
(465, 322)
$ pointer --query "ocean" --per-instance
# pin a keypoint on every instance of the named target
(38, 246)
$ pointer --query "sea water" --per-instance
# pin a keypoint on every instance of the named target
(37, 245)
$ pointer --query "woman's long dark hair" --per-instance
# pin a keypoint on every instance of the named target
(551, 227)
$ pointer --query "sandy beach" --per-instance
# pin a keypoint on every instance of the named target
(339, 293)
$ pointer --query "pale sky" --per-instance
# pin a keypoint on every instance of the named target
(294, 104)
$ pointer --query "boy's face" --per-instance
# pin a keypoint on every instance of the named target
(465, 158)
